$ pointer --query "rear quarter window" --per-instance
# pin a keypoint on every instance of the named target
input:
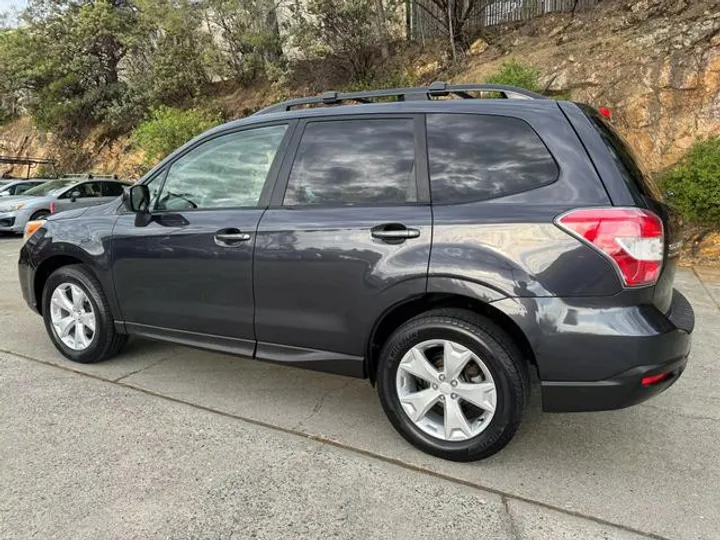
(475, 157)
(637, 180)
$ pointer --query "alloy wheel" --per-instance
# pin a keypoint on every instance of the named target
(72, 316)
(446, 390)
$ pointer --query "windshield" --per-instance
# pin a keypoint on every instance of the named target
(50, 188)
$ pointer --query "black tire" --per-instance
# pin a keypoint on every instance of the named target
(40, 214)
(106, 341)
(497, 351)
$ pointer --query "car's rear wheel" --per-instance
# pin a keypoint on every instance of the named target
(453, 384)
(77, 316)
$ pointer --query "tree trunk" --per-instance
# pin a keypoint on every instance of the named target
(275, 51)
(381, 29)
(451, 31)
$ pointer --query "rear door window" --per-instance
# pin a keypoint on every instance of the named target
(637, 180)
(354, 162)
(475, 157)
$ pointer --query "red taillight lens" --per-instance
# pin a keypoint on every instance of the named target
(52, 207)
(605, 112)
(630, 237)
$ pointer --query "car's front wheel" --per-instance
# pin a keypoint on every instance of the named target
(77, 316)
(453, 384)
(40, 214)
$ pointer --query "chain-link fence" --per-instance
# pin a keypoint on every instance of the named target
(427, 19)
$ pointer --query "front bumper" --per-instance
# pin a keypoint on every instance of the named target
(27, 267)
(11, 222)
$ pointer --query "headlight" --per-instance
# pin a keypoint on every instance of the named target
(12, 207)
(32, 227)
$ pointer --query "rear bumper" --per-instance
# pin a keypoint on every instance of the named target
(592, 356)
(618, 392)
(665, 354)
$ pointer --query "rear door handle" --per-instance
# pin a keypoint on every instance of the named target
(230, 237)
(394, 233)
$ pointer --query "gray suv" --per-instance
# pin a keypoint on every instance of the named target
(53, 196)
(444, 249)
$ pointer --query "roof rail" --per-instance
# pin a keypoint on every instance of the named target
(89, 176)
(435, 90)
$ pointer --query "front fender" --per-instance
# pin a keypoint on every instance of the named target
(74, 241)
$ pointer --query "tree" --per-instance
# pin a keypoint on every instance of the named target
(13, 65)
(170, 65)
(452, 16)
(348, 30)
(249, 36)
(74, 50)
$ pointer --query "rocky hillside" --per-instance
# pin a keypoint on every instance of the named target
(654, 63)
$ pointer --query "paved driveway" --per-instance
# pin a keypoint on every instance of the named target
(170, 442)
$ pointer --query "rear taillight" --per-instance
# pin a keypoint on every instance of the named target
(52, 207)
(631, 238)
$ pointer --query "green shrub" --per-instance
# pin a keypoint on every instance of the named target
(513, 73)
(694, 183)
(169, 128)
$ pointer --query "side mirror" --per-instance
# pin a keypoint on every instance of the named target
(137, 199)
(75, 195)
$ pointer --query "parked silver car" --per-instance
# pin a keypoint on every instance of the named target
(55, 196)
(19, 187)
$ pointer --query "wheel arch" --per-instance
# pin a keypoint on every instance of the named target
(40, 210)
(400, 313)
(46, 268)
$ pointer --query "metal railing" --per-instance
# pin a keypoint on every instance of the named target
(426, 20)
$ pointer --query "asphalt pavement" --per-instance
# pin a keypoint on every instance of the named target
(169, 442)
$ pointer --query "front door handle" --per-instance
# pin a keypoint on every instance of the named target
(230, 237)
(394, 233)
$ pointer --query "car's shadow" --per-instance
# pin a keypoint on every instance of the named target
(237, 385)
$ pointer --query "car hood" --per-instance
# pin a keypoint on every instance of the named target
(110, 207)
(68, 214)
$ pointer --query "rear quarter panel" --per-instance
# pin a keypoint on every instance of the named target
(511, 243)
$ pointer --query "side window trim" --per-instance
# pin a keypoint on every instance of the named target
(421, 171)
(270, 181)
